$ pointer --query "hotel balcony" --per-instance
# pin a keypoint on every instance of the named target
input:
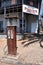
(12, 5)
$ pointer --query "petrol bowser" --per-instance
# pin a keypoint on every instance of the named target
(11, 40)
(11, 36)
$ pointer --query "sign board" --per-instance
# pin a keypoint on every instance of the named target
(30, 9)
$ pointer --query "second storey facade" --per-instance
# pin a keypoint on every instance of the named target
(25, 14)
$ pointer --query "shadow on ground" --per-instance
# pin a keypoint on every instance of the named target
(32, 39)
(19, 63)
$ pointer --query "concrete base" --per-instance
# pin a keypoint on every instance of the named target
(10, 59)
(11, 56)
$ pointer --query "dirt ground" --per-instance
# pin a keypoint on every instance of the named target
(30, 51)
(4, 63)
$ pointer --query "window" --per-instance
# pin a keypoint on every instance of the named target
(6, 3)
(1, 27)
(33, 3)
(19, 1)
(0, 4)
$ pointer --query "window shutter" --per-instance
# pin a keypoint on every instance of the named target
(13, 1)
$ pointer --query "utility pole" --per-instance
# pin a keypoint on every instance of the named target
(39, 5)
(38, 18)
(4, 17)
(22, 17)
(23, 20)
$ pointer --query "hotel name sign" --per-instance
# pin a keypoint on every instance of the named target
(30, 10)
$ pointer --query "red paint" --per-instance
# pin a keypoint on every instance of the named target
(11, 40)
